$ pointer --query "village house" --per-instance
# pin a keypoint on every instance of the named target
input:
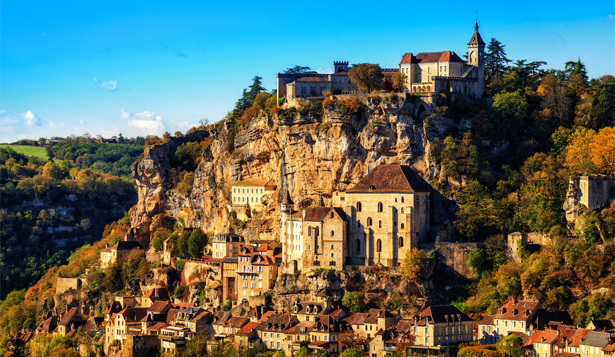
(113, 255)
(250, 192)
(272, 331)
(593, 343)
(70, 322)
(442, 325)
(256, 273)
(226, 245)
(514, 316)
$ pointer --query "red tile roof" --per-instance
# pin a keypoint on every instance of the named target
(408, 58)
(390, 178)
(517, 310)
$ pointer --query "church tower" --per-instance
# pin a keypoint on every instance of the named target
(476, 58)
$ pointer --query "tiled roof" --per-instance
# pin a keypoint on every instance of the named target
(542, 337)
(476, 39)
(443, 56)
(517, 310)
(312, 79)
(408, 58)
(157, 294)
(133, 313)
(521, 335)
(596, 339)
(73, 315)
(390, 178)
(577, 337)
(247, 328)
(255, 182)
(487, 320)
(160, 307)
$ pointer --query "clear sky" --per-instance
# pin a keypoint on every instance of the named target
(145, 67)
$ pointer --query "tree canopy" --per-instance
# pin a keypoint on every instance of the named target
(367, 76)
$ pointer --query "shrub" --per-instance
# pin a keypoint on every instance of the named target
(281, 101)
(179, 291)
(227, 306)
(179, 265)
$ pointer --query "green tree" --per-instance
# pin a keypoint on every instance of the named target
(354, 302)
(495, 65)
(511, 346)
(413, 264)
(367, 76)
(576, 68)
(297, 69)
(353, 352)
(196, 243)
(227, 306)
(400, 81)
(476, 215)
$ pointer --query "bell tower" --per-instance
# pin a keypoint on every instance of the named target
(476, 58)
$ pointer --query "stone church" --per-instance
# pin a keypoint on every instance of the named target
(375, 222)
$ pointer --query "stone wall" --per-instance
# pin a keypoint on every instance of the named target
(64, 284)
(140, 346)
(454, 255)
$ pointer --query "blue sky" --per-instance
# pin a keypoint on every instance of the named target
(145, 67)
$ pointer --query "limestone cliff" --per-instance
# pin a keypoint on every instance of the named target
(312, 154)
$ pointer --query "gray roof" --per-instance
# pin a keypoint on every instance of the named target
(596, 339)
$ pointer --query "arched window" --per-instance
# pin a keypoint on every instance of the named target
(332, 246)
(379, 224)
(369, 221)
(379, 206)
(358, 244)
(402, 210)
(395, 199)
(401, 242)
(401, 226)
(402, 199)
(332, 233)
(316, 232)
(358, 206)
(379, 246)
(332, 255)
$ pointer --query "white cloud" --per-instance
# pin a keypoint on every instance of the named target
(109, 85)
(145, 122)
(31, 119)
(54, 126)
(184, 126)
(324, 71)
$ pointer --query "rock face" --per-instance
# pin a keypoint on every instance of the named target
(310, 155)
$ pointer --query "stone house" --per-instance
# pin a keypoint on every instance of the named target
(219, 319)
(112, 255)
(541, 343)
(514, 316)
(384, 343)
(487, 334)
(250, 192)
(272, 331)
(119, 325)
(388, 214)
(247, 337)
(155, 314)
(594, 343)
(308, 311)
(442, 325)
(429, 72)
(256, 273)
(229, 278)
(70, 322)
(324, 233)
(366, 325)
(226, 245)
(153, 295)
(48, 325)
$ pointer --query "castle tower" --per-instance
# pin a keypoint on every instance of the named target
(341, 66)
(476, 58)
(286, 211)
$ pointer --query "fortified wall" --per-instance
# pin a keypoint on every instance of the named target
(593, 192)
(454, 255)
(64, 284)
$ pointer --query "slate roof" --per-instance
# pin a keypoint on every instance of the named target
(287, 200)
(603, 324)
(317, 214)
(439, 314)
(544, 318)
(390, 178)
(476, 39)
(127, 245)
(596, 339)
(577, 337)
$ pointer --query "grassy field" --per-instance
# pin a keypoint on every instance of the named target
(29, 150)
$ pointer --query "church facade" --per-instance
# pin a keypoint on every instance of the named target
(374, 223)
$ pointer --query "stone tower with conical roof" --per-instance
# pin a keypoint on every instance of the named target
(476, 58)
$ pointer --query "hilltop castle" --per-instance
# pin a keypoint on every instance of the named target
(427, 72)
(376, 222)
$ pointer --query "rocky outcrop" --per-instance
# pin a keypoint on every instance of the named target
(311, 156)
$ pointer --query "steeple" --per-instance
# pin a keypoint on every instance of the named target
(287, 201)
(476, 27)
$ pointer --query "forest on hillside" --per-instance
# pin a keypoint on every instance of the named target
(50, 208)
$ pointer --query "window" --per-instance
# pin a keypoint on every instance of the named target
(332, 215)
(358, 245)
(401, 241)
(402, 200)
(369, 221)
(309, 231)
(332, 233)
(380, 206)
(379, 224)
(401, 226)
(379, 246)
(332, 255)
(402, 210)
(358, 206)
(332, 246)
